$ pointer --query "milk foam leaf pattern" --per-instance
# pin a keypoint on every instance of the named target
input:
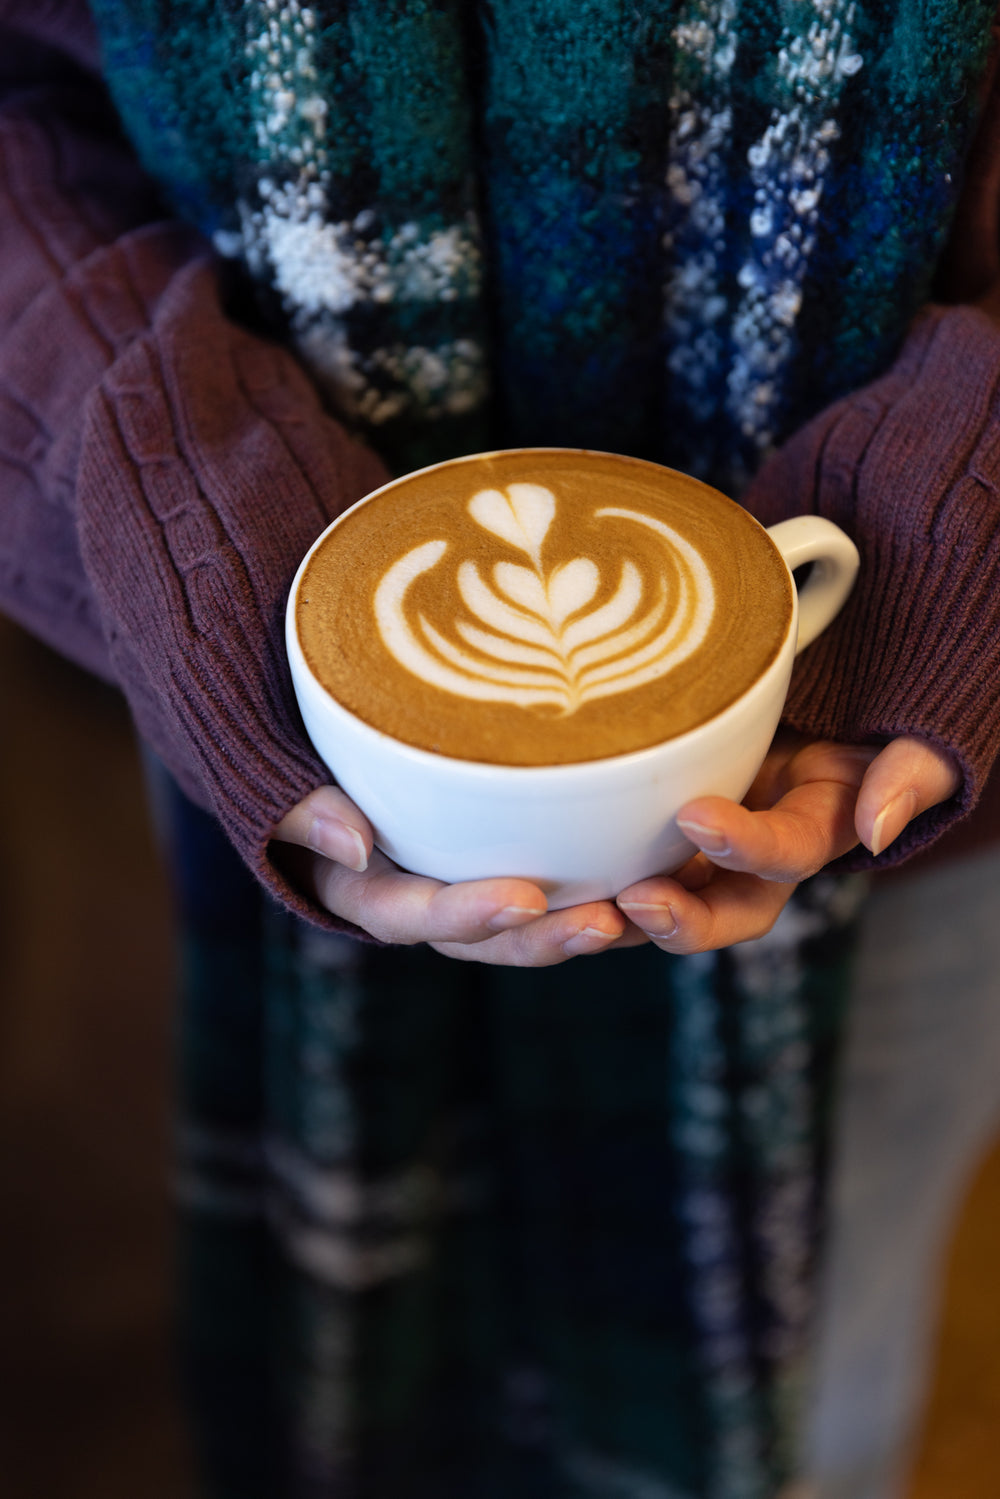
(520, 515)
(612, 615)
(529, 641)
(523, 587)
(503, 649)
(410, 651)
(476, 666)
(481, 601)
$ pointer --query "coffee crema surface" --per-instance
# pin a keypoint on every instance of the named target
(543, 606)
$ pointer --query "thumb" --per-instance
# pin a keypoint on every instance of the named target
(908, 776)
(329, 823)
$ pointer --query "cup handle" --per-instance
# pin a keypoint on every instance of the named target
(810, 538)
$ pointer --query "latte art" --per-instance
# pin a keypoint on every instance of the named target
(541, 606)
(529, 638)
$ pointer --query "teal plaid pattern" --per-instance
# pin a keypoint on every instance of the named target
(454, 1231)
(451, 1232)
(674, 229)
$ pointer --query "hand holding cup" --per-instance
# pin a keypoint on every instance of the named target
(524, 664)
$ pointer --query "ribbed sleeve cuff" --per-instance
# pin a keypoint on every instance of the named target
(910, 468)
(208, 468)
(162, 471)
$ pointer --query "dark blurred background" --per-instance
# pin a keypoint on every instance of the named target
(88, 1403)
(88, 1408)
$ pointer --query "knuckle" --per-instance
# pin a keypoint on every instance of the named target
(794, 874)
(530, 952)
(456, 950)
(326, 876)
(350, 896)
(815, 755)
(795, 855)
(683, 944)
(762, 927)
(375, 924)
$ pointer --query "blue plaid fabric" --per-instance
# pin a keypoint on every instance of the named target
(461, 1233)
(456, 1231)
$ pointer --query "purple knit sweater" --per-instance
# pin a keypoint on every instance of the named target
(162, 472)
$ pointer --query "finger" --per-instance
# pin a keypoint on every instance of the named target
(398, 907)
(735, 907)
(811, 824)
(406, 908)
(329, 823)
(771, 781)
(696, 873)
(909, 776)
(576, 932)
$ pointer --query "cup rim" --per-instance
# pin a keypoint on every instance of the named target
(428, 468)
(491, 768)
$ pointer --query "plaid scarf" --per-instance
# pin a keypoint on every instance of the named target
(674, 229)
(455, 1233)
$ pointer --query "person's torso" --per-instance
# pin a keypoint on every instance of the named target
(670, 229)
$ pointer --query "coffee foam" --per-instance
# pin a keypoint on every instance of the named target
(542, 606)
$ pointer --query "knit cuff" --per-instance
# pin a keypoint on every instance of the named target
(910, 468)
(208, 468)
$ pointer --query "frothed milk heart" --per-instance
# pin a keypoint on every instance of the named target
(542, 607)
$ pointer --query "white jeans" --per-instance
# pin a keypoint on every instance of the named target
(920, 1104)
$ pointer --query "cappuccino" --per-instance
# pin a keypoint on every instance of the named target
(542, 607)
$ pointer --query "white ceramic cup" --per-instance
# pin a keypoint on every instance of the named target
(582, 831)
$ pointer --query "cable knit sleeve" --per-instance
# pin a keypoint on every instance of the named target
(162, 472)
(910, 468)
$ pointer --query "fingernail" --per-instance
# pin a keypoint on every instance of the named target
(591, 939)
(657, 920)
(892, 819)
(510, 916)
(338, 840)
(709, 840)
